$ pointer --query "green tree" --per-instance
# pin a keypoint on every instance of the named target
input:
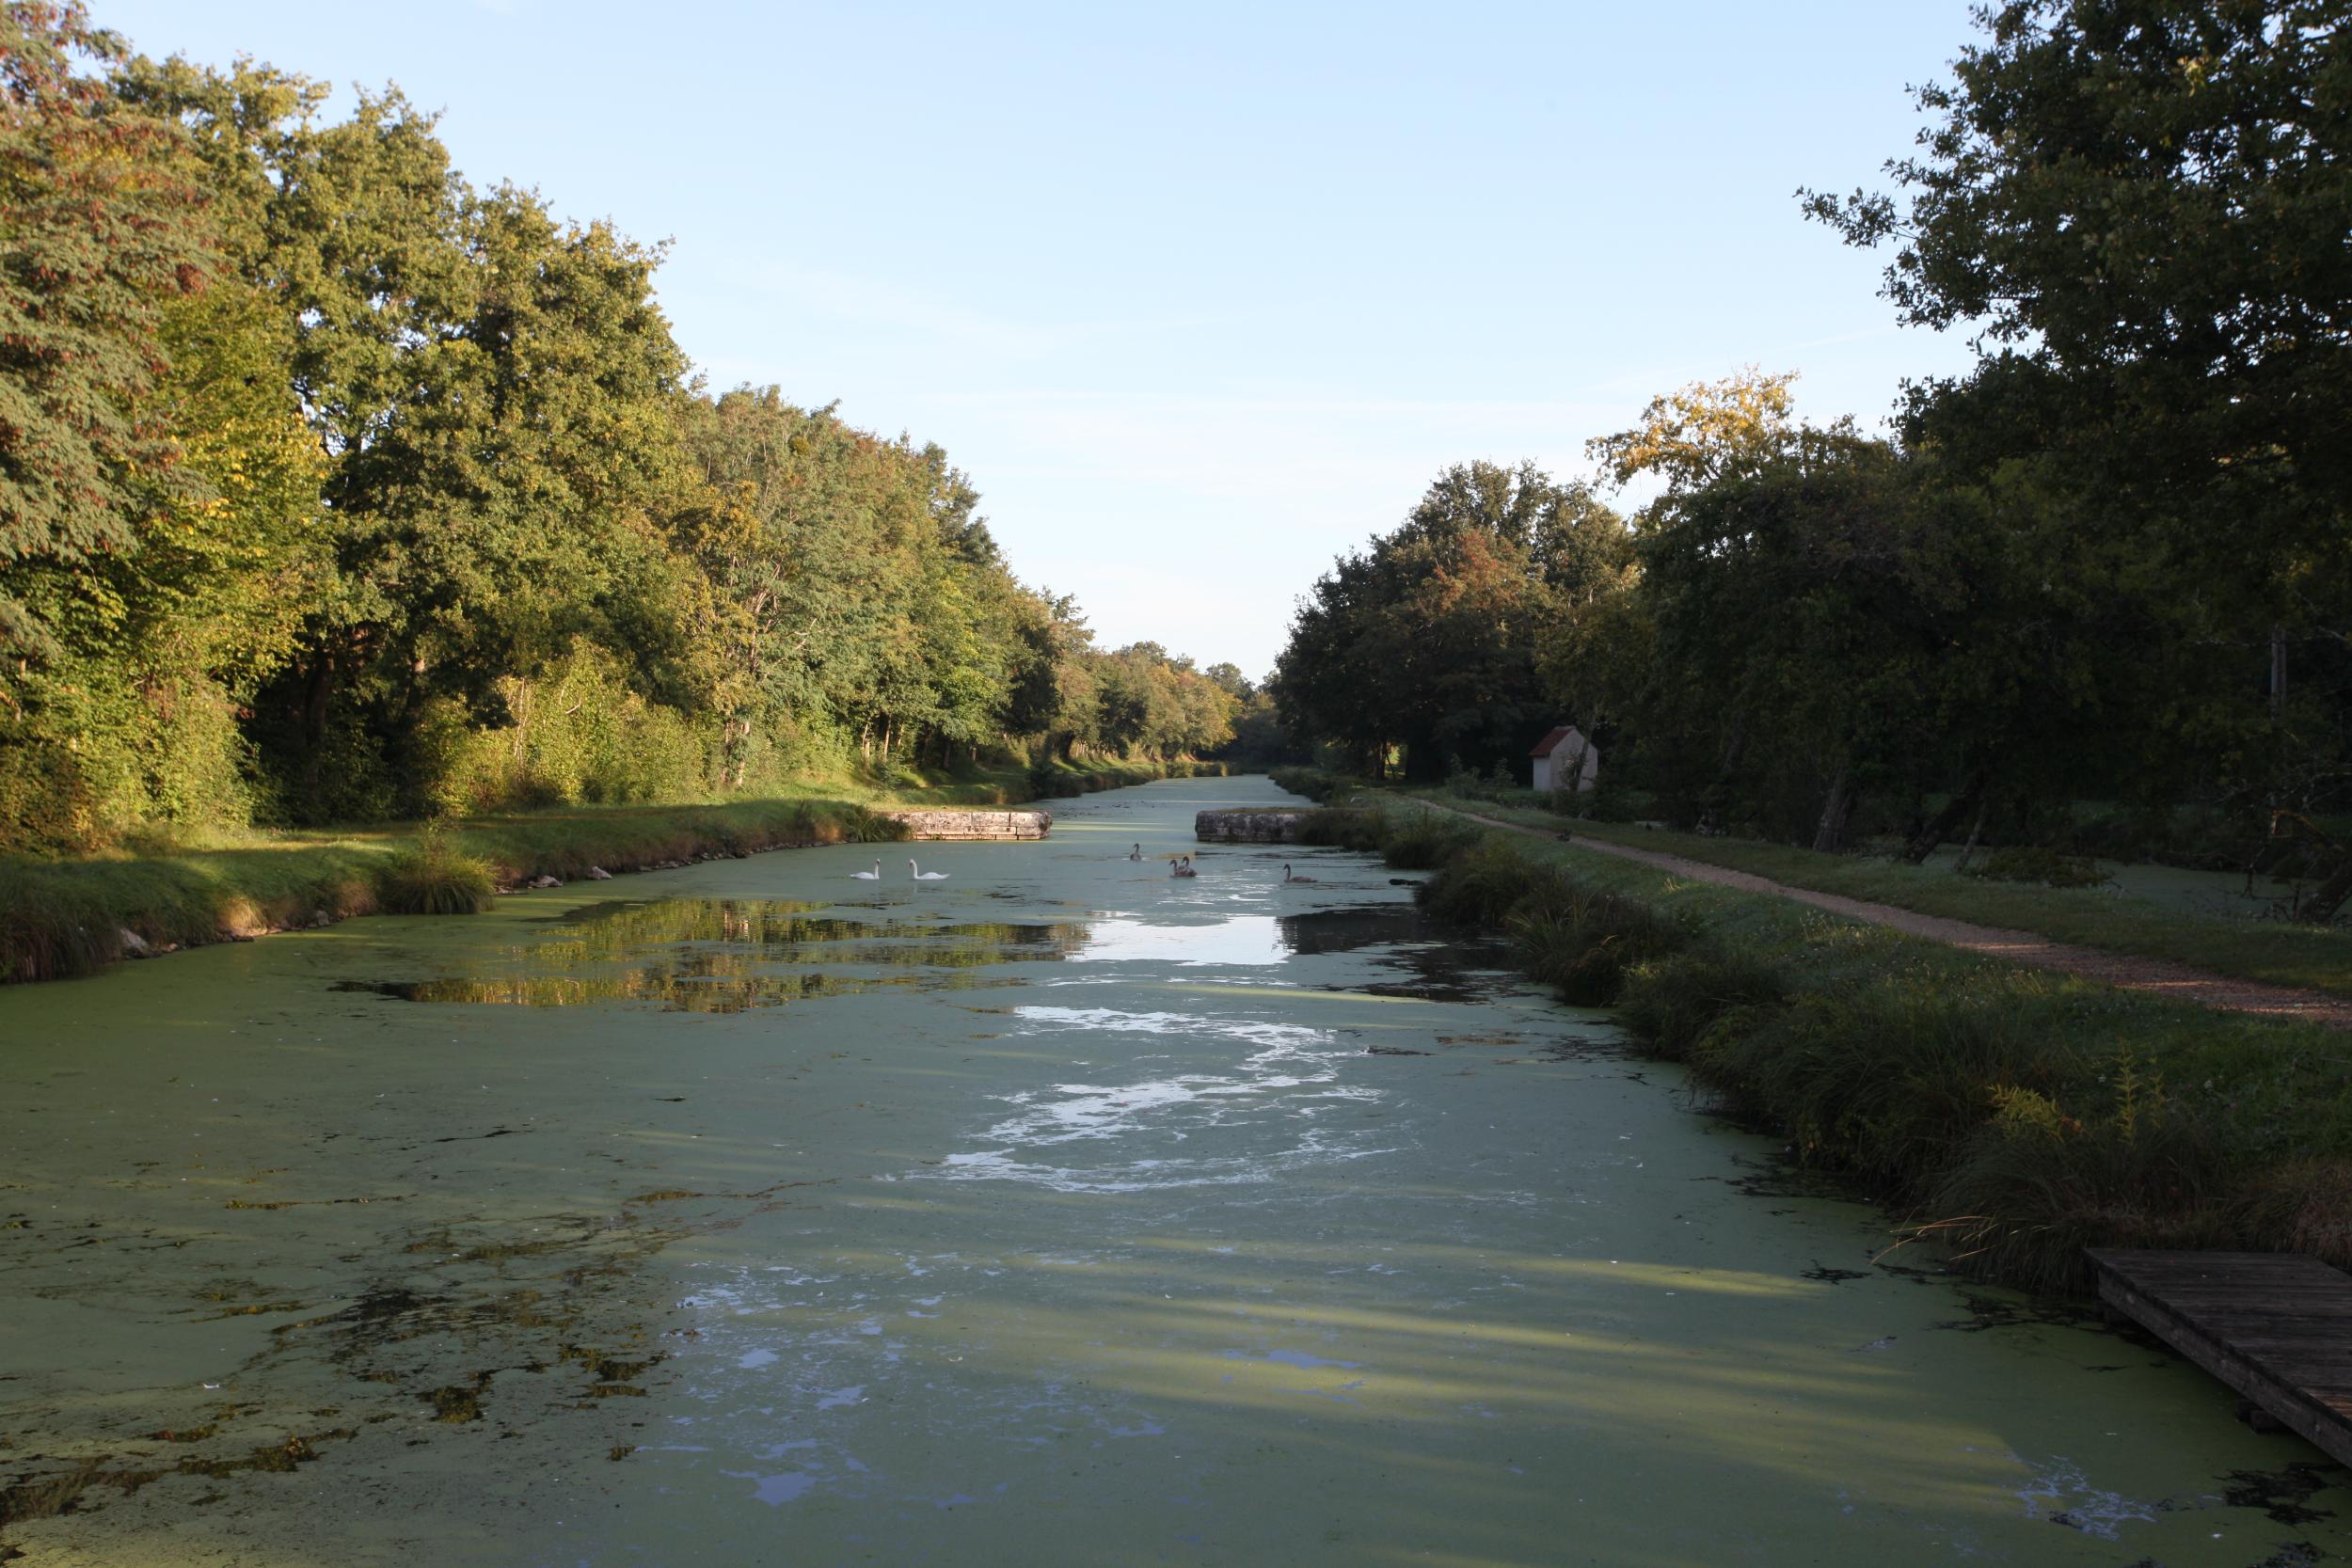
(2141, 209)
(1706, 432)
(1429, 638)
(100, 206)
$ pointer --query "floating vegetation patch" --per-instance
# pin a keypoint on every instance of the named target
(1823, 1273)
(542, 1312)
(35, 1495)
(459, 1402)
(2284, 1496)
(1995, 1309)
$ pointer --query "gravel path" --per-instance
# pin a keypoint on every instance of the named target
(2124, 969)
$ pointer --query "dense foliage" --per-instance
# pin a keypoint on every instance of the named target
(333, 487)
(2112, 564)
(1428, 642)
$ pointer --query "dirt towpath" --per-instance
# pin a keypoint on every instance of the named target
(2124, 969)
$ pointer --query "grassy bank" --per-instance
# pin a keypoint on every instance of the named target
(2015, 1116)
(60, 918)
(2280, 953)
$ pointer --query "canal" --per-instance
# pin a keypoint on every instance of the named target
(1061, 1211)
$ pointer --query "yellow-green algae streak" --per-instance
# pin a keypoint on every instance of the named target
(1059, 1213)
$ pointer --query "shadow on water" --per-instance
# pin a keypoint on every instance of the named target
(1433, 964)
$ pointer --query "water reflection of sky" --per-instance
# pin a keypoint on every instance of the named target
(1242, 938)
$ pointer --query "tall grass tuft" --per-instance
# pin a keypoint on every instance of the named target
(2034, 1185)
(435, 877)
(1482, 878)
(1674, 1003)
(1585, 941)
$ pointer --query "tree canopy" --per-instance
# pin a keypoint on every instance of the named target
(333, 485)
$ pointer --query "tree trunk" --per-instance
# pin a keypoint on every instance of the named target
(2277, 673)
(2326, 899)
(1976, 830)
(1923, 843)
(1832, 831)
(1718, 793)
(316, 688)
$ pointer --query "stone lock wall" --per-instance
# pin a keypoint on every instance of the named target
(973, 824)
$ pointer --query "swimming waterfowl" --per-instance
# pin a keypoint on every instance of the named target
(1182, 867)
(873, 876)
(922, 876)
(1288, 878)
(1136, 853)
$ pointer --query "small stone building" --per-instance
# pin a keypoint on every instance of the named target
(1566, 759)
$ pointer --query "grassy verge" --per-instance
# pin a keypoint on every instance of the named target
(63, 918)
(2014, 1115)
(2280, 953)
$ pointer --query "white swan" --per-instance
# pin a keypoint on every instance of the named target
(1288, 878)
(873, 876)
(921, 875)
(1136, 853)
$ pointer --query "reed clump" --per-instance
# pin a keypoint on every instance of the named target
(435, 877)
(1584, 942)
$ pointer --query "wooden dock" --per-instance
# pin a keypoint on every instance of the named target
(2276, 1326)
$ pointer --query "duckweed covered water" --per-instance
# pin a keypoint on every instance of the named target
(1061, 1213)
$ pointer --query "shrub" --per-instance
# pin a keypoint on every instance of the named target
(1049, 780)
(2024, 864)
(579, 733)
(1314, 783)
(1342, 828)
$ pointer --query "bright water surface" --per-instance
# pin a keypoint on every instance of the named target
(1060, 1212)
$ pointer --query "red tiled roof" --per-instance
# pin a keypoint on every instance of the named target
(1545, 747)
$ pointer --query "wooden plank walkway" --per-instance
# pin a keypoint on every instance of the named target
(2276, 1326)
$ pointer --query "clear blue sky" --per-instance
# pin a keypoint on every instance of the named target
(1198, 295)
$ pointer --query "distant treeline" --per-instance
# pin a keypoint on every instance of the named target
(333, 487)
(2113, 561)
